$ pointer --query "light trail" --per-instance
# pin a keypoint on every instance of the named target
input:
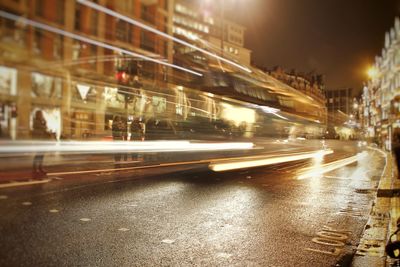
(267, 161)
(90, 41)
(151, 29)
(328, 167)
(118, 146)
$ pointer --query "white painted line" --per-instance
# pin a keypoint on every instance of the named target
(248, 177)
(26, 203)
(34, 182)
(3, 197)
(132, 205)
(336, 177)
(85, 219)
(123, 229)
(53, 211)
(168, 241)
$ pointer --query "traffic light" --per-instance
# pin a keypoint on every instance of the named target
(122, 77)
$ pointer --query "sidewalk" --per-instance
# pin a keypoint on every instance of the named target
(382, 220)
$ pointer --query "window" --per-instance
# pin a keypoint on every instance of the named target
(8, 81)
(124, 31)
(58, 48)
(77, 17)
(46, 86)
(39, 10)
(37, 42)
(60, 8)
(94, 15)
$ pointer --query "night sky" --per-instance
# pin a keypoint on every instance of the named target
(337, 38)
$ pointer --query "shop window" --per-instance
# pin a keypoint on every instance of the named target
(53, 120)
(112, 98)
(159, 104)
(46, 86)
(8, 81)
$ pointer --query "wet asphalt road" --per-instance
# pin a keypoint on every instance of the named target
(256, 217)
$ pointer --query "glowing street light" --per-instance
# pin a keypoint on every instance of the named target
(372, 72)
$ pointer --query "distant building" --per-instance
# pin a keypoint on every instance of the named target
(311, 85)
(340, 100)
(197, 22)
(342, 113)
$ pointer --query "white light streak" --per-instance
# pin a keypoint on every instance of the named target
(318, 170)
(90, 41)
(273, 111)
(118, 146)
(266, 161)
(151, 29)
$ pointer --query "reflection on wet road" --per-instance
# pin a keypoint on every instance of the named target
(262, 216)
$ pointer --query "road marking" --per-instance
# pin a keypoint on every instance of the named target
(332, 235)
(331, 238)
(85, 219)
(15, 183)
(334, 252)
(327, 241)
(168, 241)
(248, 177)
(123, 229)
(26, 203)
(3, 197)
(336, 177)
(132, 205)
(53, 211)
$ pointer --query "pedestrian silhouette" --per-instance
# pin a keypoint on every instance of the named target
(40, 132)
(118, 133)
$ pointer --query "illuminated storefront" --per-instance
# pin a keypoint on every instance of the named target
(8, 108)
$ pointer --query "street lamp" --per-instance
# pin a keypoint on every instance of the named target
(372, 72)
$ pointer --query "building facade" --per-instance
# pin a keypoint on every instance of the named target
(381, 95)
(206, 24)
(72, 81)
(311, 85)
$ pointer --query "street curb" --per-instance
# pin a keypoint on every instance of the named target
(371, 248)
